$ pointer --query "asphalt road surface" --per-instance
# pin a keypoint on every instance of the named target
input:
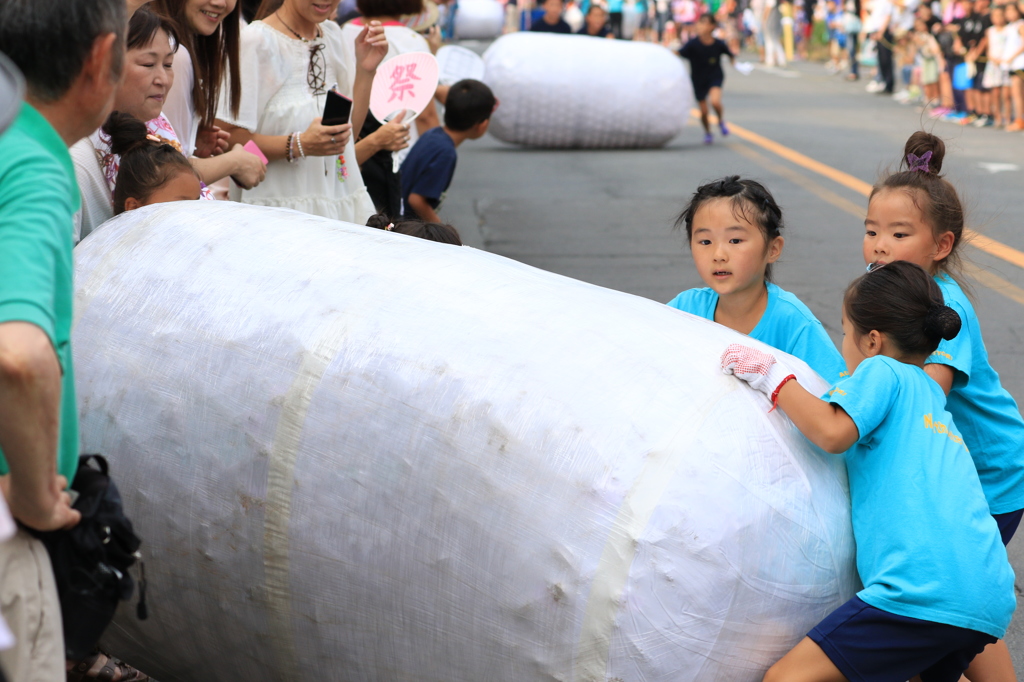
(817, 142)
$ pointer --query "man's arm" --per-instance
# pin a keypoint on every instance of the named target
(419, 204)
(30, 390)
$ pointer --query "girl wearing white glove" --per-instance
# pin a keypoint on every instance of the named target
(938, 586)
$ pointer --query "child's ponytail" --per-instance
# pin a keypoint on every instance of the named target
(901, 300)
(146, 162)
(920, 177)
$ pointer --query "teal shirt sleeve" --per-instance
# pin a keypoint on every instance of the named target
(38, 200)
(866, 396)
(699, 302)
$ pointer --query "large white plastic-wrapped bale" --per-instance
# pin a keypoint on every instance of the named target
(355, 455)
(479, 19)
(579, 91)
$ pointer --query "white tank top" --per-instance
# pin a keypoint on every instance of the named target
(1013, 43)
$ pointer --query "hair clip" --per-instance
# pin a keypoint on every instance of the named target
(389, 227)
(154, 138)
(919, 163)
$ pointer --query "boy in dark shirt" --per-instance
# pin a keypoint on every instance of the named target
(552, 21)
(705, 54)
(428, 169)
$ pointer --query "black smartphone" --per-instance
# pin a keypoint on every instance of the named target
(337, 109)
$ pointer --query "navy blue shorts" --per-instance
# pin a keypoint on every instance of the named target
(1008, 523)
(701, 88)
(871, 645)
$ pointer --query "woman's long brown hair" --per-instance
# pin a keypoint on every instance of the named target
(213, 56)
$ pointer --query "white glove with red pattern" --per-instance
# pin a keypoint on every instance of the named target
(760, 370)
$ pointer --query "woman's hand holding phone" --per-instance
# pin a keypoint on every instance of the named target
(321, 140)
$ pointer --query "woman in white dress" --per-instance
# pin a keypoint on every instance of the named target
(290, 59)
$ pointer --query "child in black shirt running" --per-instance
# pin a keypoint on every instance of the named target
(705, 54)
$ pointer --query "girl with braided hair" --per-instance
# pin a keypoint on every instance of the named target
(916, 215)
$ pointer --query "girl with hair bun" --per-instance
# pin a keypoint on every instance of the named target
(152, 171)
(734, 229)
(442, 233)
(916, 215)
(938, 587)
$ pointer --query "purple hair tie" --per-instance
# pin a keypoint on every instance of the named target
(919, 163)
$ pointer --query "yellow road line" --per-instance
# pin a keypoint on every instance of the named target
(978, 241)
(995, 282)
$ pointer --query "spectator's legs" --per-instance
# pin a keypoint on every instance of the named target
(946, 88)
(28, 601)
(960, 100)
(854, 40)
(984, 102)
(885, 65)
(1017, 96)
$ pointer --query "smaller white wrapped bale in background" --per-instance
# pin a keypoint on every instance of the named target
(561, 91)
(479, 19)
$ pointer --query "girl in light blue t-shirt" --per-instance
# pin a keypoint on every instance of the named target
(916, 215)
(733, 227)
(938, 587)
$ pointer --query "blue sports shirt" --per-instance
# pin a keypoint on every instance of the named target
(985, 412)
(927, 546)
(428, 169)
(787, 324)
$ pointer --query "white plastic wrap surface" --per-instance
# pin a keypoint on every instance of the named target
(356, 455)
(479, 19)
(579, 91)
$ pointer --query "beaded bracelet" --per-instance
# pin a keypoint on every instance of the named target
(298, 141)
(288, 149)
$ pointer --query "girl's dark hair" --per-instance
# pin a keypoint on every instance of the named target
(145, 164)
(213, 57)
(749, 199)
(902, 301)
(143, 27)
(919, 176)
(435, 232)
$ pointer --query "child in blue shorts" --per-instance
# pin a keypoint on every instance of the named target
(916, 215)
(938, 587)
(734, 230)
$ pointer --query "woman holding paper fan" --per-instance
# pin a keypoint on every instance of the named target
(382, 148)
(291, 57)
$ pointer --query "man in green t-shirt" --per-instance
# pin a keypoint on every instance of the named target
(69, 92)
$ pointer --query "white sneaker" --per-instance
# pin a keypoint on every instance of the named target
(903, 96)
(875, 86)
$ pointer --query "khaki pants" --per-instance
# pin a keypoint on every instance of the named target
(28, 602)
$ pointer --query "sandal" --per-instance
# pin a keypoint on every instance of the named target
(104, 668)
